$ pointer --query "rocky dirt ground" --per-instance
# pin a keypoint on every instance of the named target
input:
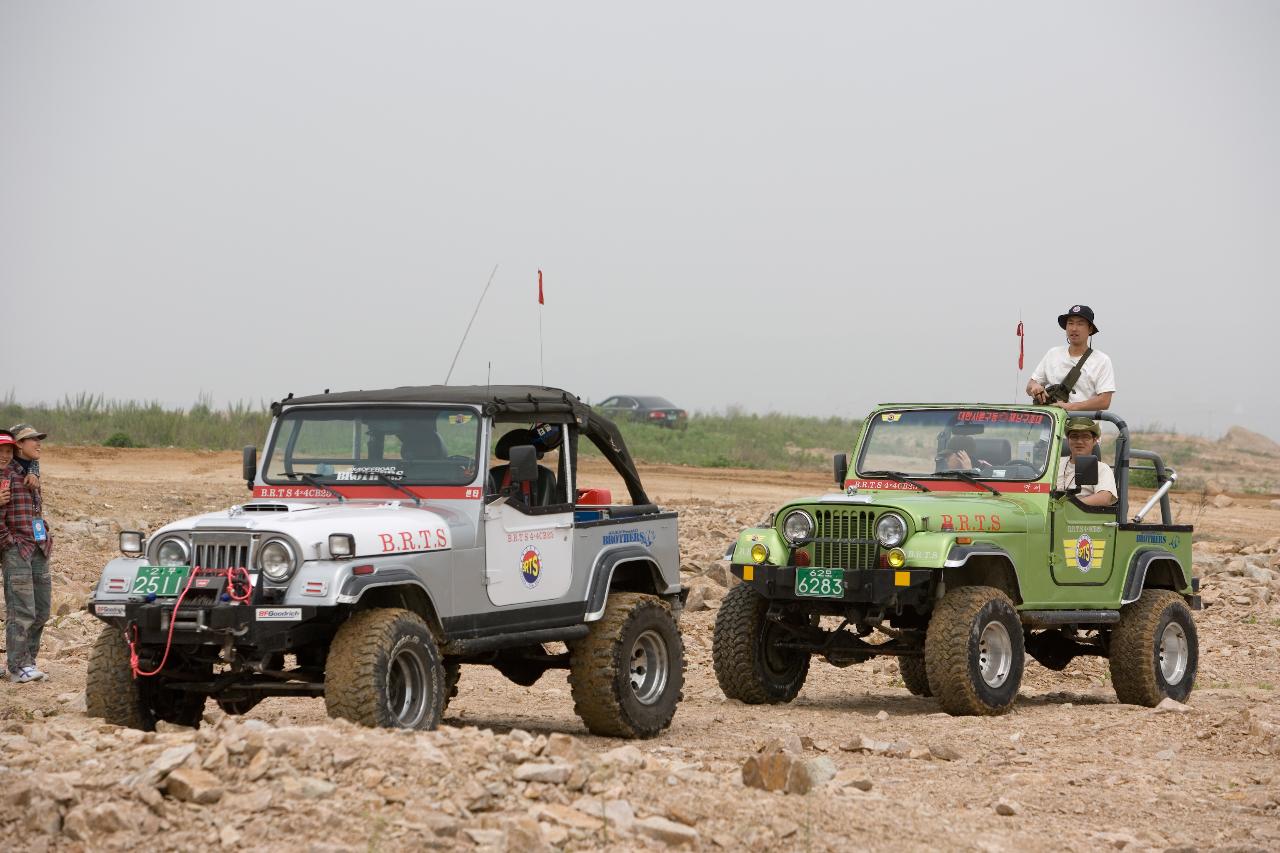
(513, 769)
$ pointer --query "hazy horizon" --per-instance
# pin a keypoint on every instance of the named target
(806, 210)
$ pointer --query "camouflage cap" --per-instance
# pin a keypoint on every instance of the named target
(1082, 424)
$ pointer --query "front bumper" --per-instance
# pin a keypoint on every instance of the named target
(262, 627)
(884, 587)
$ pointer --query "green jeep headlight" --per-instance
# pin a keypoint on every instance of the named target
(891, 530)
(797, 527)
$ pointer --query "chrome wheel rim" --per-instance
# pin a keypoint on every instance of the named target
(995, 654)
(407, 688)
(1174, 652)
(648, 667)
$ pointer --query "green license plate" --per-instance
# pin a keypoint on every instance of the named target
(820, 583)
(160, 580)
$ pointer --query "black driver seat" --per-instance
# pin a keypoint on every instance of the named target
(499, 482)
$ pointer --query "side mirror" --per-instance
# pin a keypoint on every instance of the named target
(250, 465)
(524, 464)
(841, 462)
(1086, 470)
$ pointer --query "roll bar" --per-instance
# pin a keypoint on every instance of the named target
(1165, 477)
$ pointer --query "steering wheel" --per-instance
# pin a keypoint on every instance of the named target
(1020, 464)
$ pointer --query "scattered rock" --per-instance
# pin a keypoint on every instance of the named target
(194, 786)
(555, 774)
(668, 831)
(778, 768)
(1007, 808)
(1172, 706)
(1222, 501)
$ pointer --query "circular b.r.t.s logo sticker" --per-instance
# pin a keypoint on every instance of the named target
(531, 567)
(1084, 552)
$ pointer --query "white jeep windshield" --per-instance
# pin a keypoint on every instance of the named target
(425, 446)
(993, 444)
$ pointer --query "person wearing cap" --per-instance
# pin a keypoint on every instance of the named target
(25, 546)
(33, 474)
(7, 445)
(1083, 436)
(1097, 380)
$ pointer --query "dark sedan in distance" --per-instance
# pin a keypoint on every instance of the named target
(651, 410)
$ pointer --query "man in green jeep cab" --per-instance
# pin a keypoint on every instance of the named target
(1083, 435)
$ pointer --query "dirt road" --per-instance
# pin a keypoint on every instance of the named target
(1067, 769)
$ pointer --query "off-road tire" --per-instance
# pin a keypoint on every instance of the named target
(1137, 653)
(384, 670)
(747, 667)
(914, 675)
(973, 627)
(636, 638)
(112, 693)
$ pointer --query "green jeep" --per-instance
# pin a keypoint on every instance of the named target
(962, 572)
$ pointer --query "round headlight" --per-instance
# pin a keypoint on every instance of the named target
(891, 530)
(276, 560)
(759, 553)
(172, 552)
(797, 526)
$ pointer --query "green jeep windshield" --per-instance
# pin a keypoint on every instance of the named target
(994, 444)
(426, 446)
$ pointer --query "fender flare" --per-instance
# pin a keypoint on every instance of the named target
(602, 576)
(355, 586)
(1139, 564)
(960, 555)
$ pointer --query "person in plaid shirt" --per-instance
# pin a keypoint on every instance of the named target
(25, 546)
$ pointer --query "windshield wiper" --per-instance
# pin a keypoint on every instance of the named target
(311, 480)
(896, 475)
(393, 484)
(968, 478)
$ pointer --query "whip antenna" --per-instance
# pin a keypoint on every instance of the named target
(467, 331)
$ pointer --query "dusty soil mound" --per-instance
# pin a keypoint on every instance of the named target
(1239, 438)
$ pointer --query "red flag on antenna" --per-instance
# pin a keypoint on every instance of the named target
(540, 300)
(1022, 340)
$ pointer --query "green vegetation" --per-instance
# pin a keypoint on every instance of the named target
(737, 440)
(90, 419)
(730, 440)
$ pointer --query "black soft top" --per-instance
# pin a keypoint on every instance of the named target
(553, 405)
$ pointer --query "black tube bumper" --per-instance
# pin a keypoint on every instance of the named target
(887, 587)
(265, 627)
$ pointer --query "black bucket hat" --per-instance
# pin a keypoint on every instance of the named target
(1078, 311)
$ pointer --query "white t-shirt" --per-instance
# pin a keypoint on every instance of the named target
(1106, 477)
(1096, 377)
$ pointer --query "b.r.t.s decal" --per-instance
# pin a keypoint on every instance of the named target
(530, 567)
(1084, 551)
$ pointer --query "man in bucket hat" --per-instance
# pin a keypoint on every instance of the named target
(25, 546)
(1094, 382)
(1083, 435)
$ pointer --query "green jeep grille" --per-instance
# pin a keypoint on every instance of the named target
(845, 539)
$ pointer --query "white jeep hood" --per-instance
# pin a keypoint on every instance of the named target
(388, 527)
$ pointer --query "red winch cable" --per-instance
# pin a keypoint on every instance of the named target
(229, 574)
(168, 642)
(231, 584)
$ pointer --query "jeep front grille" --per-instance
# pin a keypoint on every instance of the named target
(221, 551)
(845, 539)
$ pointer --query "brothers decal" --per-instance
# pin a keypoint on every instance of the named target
(531, 567)
(623, 537)
(1084, 551)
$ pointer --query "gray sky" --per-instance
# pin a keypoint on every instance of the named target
(795, 207)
